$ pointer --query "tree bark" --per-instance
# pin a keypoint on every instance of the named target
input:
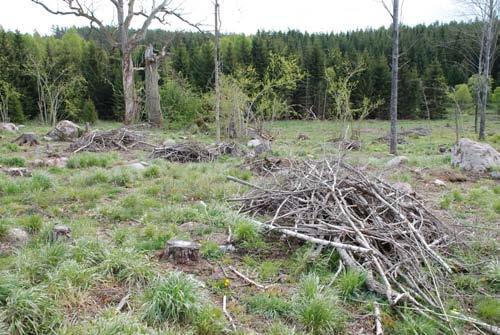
(487, 56)
(216, 62)
(129, 93)
(153, 107)
(394, 82)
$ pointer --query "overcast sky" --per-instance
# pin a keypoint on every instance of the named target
(247, 16)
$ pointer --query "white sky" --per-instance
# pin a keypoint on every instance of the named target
(248, 16)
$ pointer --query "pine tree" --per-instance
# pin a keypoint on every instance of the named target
(435, 89)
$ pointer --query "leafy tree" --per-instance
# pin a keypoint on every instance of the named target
(463, 96)
(88, 112)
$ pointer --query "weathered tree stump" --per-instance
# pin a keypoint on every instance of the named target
(182, 252)
(27, 138)
(60, 232)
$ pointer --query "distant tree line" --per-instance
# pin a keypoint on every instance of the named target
(280, 74)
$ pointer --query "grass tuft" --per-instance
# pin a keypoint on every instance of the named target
(175, 298)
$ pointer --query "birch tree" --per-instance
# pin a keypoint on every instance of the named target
(217, 69)
(486, 11)
(127, 13)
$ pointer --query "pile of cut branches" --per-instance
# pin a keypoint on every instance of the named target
(116, 139)
(267, 165)
(192, 151)
(388, 235)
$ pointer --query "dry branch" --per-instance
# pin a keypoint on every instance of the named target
(116, 139)
(389, 235)
(196, 152)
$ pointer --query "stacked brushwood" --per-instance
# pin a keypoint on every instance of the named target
(116, 139)
(192, 151)
(267, 165)
(377, 229)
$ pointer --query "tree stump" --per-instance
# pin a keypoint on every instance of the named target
(27, 138)
(182, 252)
(60, 232)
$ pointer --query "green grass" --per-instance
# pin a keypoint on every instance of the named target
(13, 161)
(350, 283)
(488, 309)
(175, 298)
(269, 305)
(88, 159)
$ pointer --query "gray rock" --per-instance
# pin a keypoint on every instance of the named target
(259, 146)
(168, 142)
(64, 130)
(138, 166)
(474, 156)
(10, 127)
(397, 161)
(495, 175)
(17, 236)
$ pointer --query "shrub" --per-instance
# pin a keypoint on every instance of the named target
(175, 298)
(13, 161)
(151, 172)
(31, 311)
(180, 104)
(88, 112)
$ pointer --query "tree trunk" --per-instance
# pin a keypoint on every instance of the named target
(487, 55)
(129, 89)
(216, 62)
(394, 83)
(153, 107)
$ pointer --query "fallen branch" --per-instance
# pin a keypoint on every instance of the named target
(248, 280)
(379, 330)
(226, 313)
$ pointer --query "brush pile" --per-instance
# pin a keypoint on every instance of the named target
(267, 165)
(116, 139)
(192, 151)
(377, 229)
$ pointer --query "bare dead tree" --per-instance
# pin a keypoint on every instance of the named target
(152, 62)
(122, 36)
(393, 141)
(217, 69)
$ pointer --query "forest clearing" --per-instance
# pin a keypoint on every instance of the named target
(254, 169)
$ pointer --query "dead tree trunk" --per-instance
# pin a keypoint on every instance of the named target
(153, 107)
(489, 37)
(129, 93)
(394, 81)
(216, 62)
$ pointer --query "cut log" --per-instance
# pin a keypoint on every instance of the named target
(182, 252)
(17, 172)
(27, 138)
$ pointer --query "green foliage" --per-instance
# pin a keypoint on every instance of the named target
(88, 112)
(41, 182)
(127, 266)
(495, 98)
(175, 298)
(32, 223)
(412, 324)
(180, 104)
(463, 95)
(435, 90)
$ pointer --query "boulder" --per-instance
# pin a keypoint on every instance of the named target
(17, 236)
(137, 166)
(474, 156)
(10, 127)
(64, 130)
(168, 142)
(259, 146)
(439, 182)
(397, 161)
(59, 162)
